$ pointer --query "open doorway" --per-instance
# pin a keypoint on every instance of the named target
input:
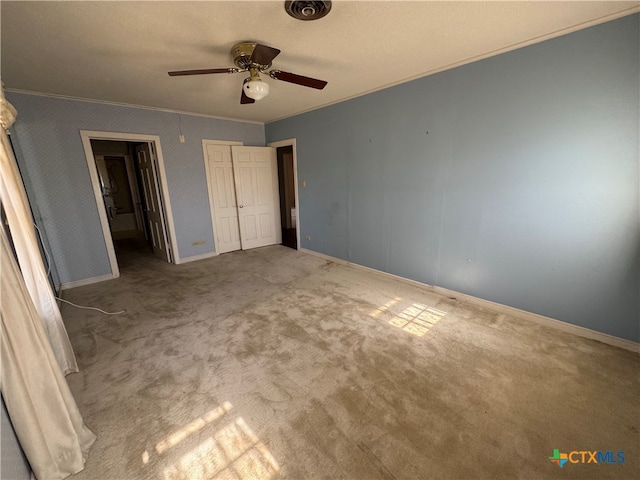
(288, 191)
(123, 195)
(286, 183)
(127, 174)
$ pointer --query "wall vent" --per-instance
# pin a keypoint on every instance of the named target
(307, 9)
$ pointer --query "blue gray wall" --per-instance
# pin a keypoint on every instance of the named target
(49, 150)
(44, 244)
(513, 179)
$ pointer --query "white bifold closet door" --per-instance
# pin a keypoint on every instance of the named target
(244, 197)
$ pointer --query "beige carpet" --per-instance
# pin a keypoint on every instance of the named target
(274, 364)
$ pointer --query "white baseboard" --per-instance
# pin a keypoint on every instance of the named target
(87, 281)
(498, 307)
(197, 257)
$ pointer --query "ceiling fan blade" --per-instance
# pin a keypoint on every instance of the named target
(263, 55)
(298, 79)
(243, 98)
(205, 71)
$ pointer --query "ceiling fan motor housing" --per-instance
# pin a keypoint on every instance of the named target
(242, 54)
(307, 9)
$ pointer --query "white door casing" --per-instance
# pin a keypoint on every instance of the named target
(153, 202)
(222, 197)
(86, 136)
(256, 180)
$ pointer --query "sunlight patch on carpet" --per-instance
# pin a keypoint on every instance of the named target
(231, 452)
(417, 319)
(383, 308)
(193, 427)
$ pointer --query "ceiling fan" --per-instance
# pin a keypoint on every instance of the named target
(256, 59)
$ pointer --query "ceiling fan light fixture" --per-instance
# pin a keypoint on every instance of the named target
(256, 89)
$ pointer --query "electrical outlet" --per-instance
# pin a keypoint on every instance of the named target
(304, 183)
(181, 138)
(308, 237)
(198, 242)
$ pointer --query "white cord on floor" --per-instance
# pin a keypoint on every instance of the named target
(46, 253)
(90, 308)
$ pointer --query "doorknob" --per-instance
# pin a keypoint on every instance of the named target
(240, 206)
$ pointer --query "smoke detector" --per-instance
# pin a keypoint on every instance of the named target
(307, 9)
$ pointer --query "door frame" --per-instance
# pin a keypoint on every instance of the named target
(87, 136)
(205, 157)
(285, 143)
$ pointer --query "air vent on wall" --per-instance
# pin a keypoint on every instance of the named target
(307, 9)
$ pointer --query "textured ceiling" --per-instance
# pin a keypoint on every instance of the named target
(121, 51)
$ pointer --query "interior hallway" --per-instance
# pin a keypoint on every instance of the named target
(272, 363)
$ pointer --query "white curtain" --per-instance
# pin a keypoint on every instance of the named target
(35, 352)
(16, 206)
(41, 407)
